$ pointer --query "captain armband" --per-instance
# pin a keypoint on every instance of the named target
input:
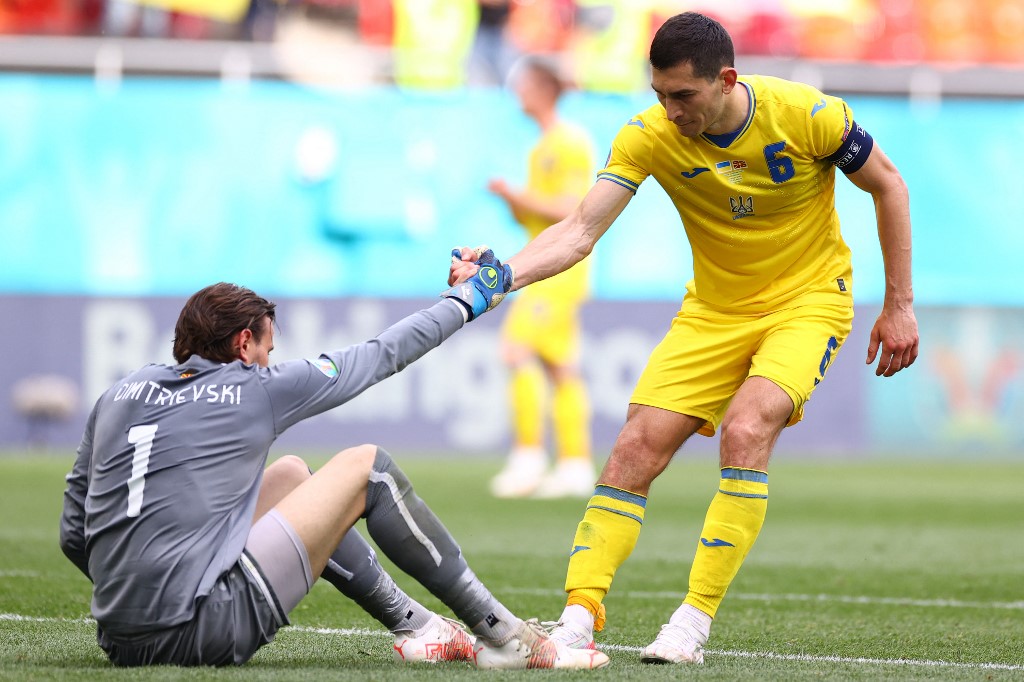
(854, 150)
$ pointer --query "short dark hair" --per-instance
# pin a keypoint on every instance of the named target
(212, 316)
(694, 38)
(546, 72)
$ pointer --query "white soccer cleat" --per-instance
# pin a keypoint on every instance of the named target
(522, 473)
(572, 635)
(675, 644)
(531, 647)
(441, 639)
(574, 477)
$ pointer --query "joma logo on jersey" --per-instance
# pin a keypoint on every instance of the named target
(741, 206)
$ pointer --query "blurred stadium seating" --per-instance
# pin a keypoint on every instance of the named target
(887, 31)
(877, 30)
(120, 191)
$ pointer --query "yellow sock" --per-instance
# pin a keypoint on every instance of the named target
(528, 395)
(733, 521)
(570, 407)
(604, 539)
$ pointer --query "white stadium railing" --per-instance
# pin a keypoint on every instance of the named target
(354, 64)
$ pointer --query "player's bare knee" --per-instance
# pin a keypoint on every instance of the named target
(635, 442)
(358, 459)
(635, 458)
(745, 443)
(290, 469)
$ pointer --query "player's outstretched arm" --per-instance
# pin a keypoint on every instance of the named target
(562, 245)
(302, 388)
(894, 337)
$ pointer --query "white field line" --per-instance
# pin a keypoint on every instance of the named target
(816, 598)
(838, 659)
(805, 658)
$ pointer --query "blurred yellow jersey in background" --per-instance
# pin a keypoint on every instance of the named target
(545, 316)
(560, 164)
(758, 210)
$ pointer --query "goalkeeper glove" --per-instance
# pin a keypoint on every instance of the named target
(486, 288)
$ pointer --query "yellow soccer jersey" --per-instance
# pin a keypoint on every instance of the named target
(759, 213)
(561, 164)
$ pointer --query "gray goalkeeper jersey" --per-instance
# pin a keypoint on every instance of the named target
(162, 494)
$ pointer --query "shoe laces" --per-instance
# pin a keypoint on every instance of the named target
(549, 626)
(536, 627)
(457, 624)
(577, 632)
(543, 649)
(679, 637)
(460, 643)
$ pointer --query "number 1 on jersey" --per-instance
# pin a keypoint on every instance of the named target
(141, 437)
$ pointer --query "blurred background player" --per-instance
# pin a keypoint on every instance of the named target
(541, 332)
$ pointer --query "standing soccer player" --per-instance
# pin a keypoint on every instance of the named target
(197, 555)
(541, 331)
(749, 163)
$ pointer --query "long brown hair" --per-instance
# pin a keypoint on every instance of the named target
(212, 316)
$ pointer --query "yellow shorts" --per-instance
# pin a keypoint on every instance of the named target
(706, 355)
(549, 326)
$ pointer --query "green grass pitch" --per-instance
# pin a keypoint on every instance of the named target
(901, 570)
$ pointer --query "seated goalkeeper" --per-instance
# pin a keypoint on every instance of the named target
(197, 554)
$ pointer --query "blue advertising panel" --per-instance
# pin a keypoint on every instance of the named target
(161, 186)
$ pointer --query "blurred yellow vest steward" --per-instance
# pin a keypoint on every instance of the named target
(228, 11)
(432, 42)
(610, 45)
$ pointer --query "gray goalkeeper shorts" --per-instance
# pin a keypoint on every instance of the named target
(243, 612)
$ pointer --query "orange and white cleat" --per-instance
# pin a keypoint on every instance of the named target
(441, 639)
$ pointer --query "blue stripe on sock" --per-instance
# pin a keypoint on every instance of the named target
(619, 512)
(745, 475)
(621, 495)
(751, 495)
